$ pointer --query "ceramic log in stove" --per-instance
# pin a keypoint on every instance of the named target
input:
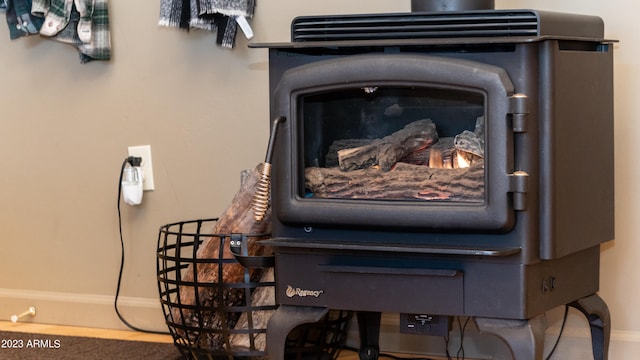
(453, 163)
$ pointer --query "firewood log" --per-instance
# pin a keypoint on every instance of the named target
(237, 218)
(472, 141)
(331, 160)
(262, 296)
(386, 152)
(440, 154)
(405, 181)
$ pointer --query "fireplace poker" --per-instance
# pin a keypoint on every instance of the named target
(261, 197)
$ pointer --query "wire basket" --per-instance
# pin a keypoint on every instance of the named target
(207, 326)
(321, 340)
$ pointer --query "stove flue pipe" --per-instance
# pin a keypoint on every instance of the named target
(451, 5)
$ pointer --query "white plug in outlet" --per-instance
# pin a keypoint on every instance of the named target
(144, 152)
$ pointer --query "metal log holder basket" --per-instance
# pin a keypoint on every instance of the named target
(203, 329)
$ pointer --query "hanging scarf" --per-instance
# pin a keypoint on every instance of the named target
(228, 7)
(210, 15)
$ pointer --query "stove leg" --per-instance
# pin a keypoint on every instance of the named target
(525, 338)
(597, 313)
(369, 329)
(283, 321)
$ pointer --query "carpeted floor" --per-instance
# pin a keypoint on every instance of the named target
(24, 346)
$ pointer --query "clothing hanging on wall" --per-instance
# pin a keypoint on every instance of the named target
(81, 23)
(221, 16)
(19, 18)
(227, 7)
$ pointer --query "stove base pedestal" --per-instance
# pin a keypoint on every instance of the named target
(369, 328)
(597, 313)
(525, 338)
(285, 319)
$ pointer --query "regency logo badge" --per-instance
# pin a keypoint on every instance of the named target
(291, 292)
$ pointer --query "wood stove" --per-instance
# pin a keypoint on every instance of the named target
(452, 163)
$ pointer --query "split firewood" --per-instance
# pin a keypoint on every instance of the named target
(441, 154)
(469, 145)
(468, 141)
(463, 159)
(331, 160)
(472, 141)
(405, 181)
(264, 296)
(386, 152)
(236, 219)
(435, 159)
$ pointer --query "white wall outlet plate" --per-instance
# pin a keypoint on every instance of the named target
(144, 151)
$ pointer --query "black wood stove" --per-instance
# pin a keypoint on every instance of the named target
(455, 163)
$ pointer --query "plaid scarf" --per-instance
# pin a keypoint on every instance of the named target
(81, 23)
(210, 15)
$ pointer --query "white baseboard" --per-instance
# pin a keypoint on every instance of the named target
(85, 310)
(98, 311)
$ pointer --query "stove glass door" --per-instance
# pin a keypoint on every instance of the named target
(394, 143)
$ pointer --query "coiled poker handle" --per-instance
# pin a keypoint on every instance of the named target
(261, 196)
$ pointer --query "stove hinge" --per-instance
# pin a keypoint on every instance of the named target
(519, 110)
(519, 186)
(519, 180)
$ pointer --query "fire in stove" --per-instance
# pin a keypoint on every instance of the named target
(414, 162)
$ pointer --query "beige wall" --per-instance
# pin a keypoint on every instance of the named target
(64, 132)
(65, 128)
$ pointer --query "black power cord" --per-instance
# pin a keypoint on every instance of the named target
(385, 355)
(462, 330)
(133, 161)
(564, 322)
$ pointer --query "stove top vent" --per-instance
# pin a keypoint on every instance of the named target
(432, 25)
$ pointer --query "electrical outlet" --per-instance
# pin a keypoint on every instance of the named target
(144, 152)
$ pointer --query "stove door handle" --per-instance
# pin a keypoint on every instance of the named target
(389, 270)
